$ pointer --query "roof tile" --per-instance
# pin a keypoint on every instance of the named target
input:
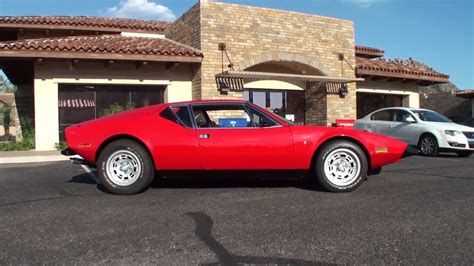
(92, 23)
(403, 68)
(112, 44)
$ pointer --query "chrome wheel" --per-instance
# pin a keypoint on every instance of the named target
(342, 167)
(123, 168)
(427, 145)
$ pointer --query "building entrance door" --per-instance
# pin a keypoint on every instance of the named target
(286, 103)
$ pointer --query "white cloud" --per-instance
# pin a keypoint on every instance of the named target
(145, 9)
(365, 3)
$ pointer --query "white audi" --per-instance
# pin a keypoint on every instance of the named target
(430, 131)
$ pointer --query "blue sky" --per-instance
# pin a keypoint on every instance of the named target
(439, 33)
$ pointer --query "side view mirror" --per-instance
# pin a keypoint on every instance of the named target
(410, 119)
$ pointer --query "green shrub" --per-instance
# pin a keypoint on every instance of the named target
(117, 108)
(28, 142)
(61, 145)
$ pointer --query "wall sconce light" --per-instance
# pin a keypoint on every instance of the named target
(343, 91)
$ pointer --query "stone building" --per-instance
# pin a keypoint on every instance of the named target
(305, 67)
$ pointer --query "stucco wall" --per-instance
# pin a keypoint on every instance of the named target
(409, 90)
(50, 74)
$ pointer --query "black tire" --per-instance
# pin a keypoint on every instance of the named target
(348, 150)
(134, 157)
(464, 154)
(428, 145)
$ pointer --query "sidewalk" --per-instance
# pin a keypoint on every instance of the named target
(8, 157)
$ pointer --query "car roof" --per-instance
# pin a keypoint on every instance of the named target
(207, 102)
(402, 108)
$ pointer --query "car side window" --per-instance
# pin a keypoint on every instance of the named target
(178, 115)
(221, 116)
(403, 116)
(230, 116)
(261, 120)
(385, 115)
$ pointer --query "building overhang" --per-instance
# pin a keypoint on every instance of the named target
(389, 76)
(252, 75)
(466, 94)
(235, 80)
(20, 54)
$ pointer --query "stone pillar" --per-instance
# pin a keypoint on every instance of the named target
(15, 123)
(316, 106)
(2, 128)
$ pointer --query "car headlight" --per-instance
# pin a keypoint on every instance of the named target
(452, 132)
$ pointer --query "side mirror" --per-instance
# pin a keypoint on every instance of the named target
(410, 119)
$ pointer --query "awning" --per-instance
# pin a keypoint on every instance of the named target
(234, 80)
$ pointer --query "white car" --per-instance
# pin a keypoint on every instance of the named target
(431, 132)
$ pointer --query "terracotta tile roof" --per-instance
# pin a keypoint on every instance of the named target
(84, 23)
(370, 52)
(112, 46)
(404, 69)
(466, 93)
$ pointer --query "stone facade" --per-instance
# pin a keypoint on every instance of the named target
(256, 35)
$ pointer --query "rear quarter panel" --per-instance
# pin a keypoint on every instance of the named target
(171, 146)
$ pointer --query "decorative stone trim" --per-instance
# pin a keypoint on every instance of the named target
(282, 56)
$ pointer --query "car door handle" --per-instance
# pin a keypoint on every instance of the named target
(205, 136)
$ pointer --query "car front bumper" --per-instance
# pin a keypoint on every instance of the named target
(456, 143)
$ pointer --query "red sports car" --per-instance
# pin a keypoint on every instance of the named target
(129, 148)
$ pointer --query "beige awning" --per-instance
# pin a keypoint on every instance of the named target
(252, 75)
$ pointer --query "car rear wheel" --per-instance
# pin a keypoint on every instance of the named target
(341, 166)
(428, 145)
(464, 153)
(125, 167)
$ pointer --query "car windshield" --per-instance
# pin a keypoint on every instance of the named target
(430, 116)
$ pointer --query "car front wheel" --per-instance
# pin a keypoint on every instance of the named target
(341, 166)
(125, 167)
(428, 146)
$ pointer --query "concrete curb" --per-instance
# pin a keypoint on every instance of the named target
(31, 157)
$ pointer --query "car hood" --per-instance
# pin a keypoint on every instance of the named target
(449, 126)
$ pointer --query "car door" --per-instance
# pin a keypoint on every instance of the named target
(404, 127)
(230, 137)
(175, 143)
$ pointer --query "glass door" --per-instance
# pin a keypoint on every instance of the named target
(288, 104)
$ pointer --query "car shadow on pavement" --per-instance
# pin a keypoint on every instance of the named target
(83, 179)
(190, 182)
(187, 182)
(203, 231)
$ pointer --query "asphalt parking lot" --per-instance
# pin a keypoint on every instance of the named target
(418, 211)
